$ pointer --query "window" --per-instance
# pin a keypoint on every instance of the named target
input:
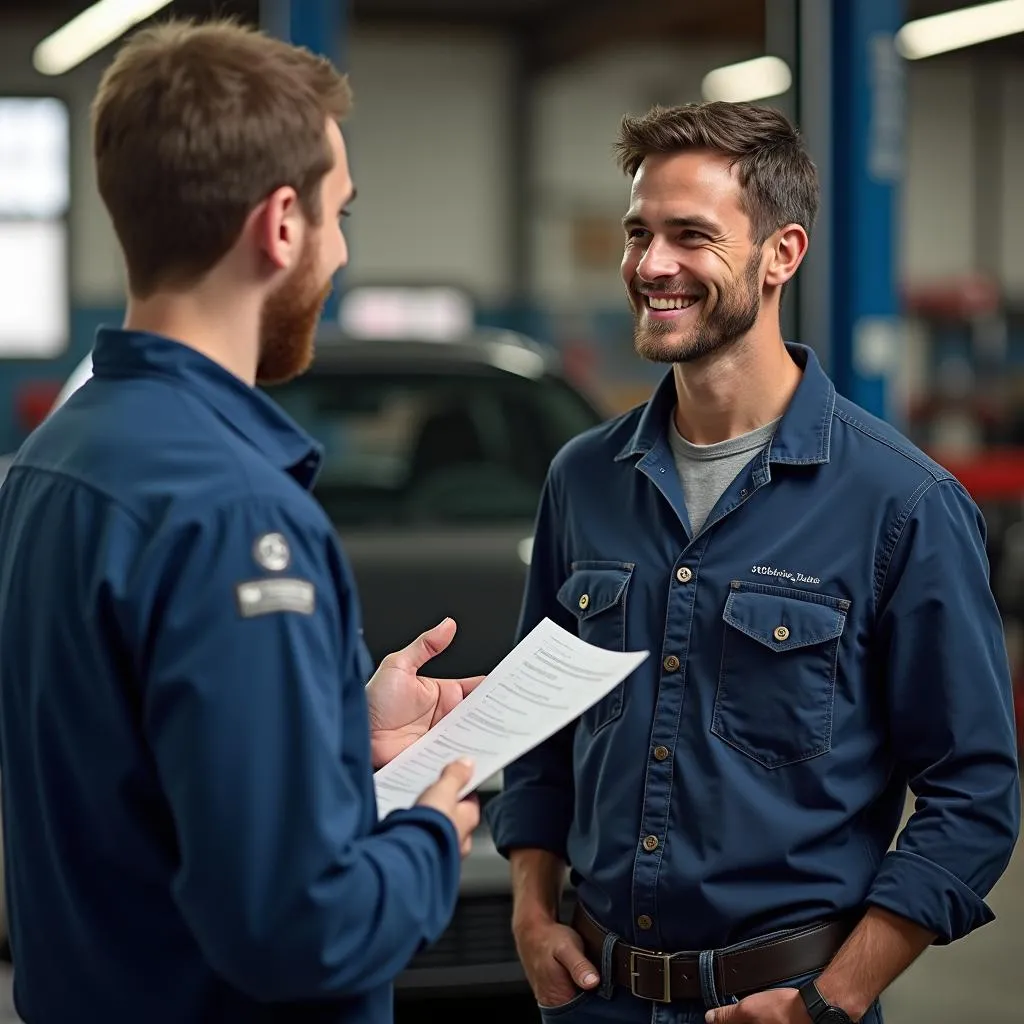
(417, 449)
(34, 199)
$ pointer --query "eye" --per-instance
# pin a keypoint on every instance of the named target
(344, 213)
(693, 236)
(635, 232)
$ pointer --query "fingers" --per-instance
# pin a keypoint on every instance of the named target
(570, 955)
(469, 685)
(455, 777)
(734, 1014)
(426, 646)
(467, 817)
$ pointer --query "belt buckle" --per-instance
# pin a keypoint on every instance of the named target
(666, 961)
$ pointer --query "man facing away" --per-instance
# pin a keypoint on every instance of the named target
(814, 591)
(189, 814)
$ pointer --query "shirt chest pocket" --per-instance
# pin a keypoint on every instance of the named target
(595, 592)
(776, 687)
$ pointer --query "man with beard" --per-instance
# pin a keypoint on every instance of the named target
(190, 823)
(814, 592)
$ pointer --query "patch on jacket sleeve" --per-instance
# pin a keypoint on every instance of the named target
(280, 594)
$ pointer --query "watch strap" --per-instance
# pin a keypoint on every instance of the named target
(820, 1011)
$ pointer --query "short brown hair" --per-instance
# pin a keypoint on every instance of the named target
(778, 179)
(193, 126)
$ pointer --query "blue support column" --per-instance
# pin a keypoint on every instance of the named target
(320, 26)
(866, 156)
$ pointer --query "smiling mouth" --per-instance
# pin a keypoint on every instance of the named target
(670, 302)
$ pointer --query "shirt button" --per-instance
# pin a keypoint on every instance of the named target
(644, 922)
(584, 600)
(671, 663)
(651, 844)
(781, 633)
(684, 575)
(660, 753)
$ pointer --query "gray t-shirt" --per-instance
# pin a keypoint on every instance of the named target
(706, 470)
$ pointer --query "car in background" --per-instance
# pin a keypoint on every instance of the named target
(435, 453)
(435, 456)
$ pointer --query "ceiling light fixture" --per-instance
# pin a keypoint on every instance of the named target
(87, 33)
(956, 30)
(755, 79)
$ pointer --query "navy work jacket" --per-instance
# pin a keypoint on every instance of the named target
(190, 822)
(826, 639)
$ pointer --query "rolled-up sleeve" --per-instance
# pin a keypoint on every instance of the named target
(291, 888)
(535, 807)
(951, 718)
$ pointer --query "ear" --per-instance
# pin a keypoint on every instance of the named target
(280, 227)
(785, 253)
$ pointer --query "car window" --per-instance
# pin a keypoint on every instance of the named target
(433, 449)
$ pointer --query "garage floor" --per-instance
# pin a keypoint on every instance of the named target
(980, 978)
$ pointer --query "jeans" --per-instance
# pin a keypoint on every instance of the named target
(623, 1007)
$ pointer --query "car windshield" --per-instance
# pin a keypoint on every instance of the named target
(406, 449)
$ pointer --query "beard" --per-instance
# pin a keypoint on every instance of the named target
(733, 317)
(289, 320)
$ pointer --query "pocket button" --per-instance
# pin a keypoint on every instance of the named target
(781, 634)
(584, 600)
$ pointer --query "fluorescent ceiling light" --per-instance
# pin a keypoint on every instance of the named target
(957, 29)
(750, 80)
(88, 32)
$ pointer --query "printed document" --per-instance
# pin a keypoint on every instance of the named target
(547, 681)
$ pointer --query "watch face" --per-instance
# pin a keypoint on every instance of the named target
(834, 1016)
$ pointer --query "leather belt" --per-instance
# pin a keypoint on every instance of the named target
(666, 977)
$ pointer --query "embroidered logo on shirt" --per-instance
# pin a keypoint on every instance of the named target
(281, 594)
(271, 552)
(785, 574)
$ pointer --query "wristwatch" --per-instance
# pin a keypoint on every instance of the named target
(820, 1011)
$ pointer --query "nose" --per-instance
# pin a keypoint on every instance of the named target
(657, 262)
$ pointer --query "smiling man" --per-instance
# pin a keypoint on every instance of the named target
(815, 591)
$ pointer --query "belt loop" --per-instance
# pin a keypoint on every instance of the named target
(708, 986)
(607, 989)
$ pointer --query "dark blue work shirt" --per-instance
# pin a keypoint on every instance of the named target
(828, 637)
(189, 814)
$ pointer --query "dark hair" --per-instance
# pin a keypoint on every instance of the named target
(779, 182)
(193, 126)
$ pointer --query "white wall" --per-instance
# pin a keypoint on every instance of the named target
(1013, 184)
(430, 159)
(577, 112)
(938, 196)
(428, 153)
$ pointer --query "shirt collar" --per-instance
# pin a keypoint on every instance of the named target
(248, 411)
(803, 436)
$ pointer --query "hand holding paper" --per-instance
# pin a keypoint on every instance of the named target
(547, 681)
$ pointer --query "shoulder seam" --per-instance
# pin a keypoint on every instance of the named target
(934, 471)
(87, 485)
(899, 524)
